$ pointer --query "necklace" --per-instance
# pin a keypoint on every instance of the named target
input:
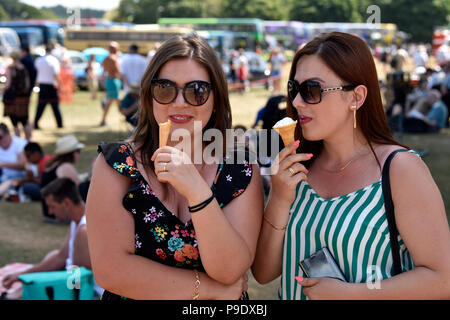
(346, 165)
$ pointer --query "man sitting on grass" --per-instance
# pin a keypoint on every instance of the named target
(29, 186)
(64, 201)
(12, 158)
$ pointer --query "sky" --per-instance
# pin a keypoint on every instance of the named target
(91, 4)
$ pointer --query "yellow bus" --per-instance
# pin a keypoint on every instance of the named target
(144, 36)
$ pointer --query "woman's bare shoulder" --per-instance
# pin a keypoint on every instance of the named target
(384, 150)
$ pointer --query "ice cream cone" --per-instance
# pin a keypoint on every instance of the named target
(287, 133)
(164, 131)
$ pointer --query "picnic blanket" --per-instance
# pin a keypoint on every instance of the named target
(15, 292)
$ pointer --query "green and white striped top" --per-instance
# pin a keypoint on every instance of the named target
(353, 227)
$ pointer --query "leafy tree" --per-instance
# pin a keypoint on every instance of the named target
(142, 11)
(3, 14)
(325, 11)
(184, 8)
(263, 9)
(417, 18)
(12, 7)
(30, 12)
(18, 10)
(212, 8)
(61, 12)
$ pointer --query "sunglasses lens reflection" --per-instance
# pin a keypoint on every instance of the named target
(310, 91)
(163, 91)
(196, 93)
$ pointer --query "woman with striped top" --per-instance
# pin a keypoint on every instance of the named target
(330, 195)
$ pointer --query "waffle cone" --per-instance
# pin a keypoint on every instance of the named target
(287, 133)
(164, 131)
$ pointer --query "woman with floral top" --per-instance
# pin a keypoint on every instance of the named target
(162, 214)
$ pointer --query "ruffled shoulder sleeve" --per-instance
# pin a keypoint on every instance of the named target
(120, 157)
(233, 177)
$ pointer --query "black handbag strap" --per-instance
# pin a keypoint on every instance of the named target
(389, 207)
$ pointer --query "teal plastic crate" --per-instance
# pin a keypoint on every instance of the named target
(73, 284)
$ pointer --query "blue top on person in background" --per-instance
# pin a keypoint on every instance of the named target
(439, 113)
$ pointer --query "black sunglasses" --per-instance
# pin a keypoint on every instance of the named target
(311, 91)
(195, 93)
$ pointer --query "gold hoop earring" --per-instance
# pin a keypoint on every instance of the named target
(354, 117)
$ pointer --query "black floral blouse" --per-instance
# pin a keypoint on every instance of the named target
(159, 234)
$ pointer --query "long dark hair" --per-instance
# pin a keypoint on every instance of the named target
(350, 58)
(60, 159)
(146, 135)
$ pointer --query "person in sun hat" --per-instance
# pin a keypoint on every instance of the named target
(62, 165)
(67, 144)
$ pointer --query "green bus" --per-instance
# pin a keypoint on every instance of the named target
(248, 32)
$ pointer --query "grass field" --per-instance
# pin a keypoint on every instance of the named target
(24, 237)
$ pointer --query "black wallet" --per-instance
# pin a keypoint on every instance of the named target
(321, 264)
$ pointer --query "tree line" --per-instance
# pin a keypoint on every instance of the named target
(13, 9)
(416, 17)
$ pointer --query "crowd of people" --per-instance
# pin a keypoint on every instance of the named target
(238, 69)
(126, 73)
(417, 95)
(51, 74)
(26, 173)
(153, 236)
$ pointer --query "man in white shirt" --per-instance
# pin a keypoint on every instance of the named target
(12, 157)
(443, 54)
(64, 201)
(420, 57)
(133, 67)
(47, 78)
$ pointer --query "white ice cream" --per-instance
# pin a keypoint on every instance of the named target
(283, 122)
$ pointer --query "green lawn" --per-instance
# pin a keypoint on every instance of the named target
(24, 237)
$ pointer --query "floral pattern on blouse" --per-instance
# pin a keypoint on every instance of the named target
(159, 234)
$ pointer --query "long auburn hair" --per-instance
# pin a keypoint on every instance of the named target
(350, 58)
(60, 159)
(192, 46)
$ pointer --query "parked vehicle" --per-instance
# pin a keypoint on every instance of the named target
(259, 71)
(51, 31)
(9, 41)
(80, 62)
(31, 37)
(100, 53)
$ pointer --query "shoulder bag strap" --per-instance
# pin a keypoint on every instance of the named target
(389, 207)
